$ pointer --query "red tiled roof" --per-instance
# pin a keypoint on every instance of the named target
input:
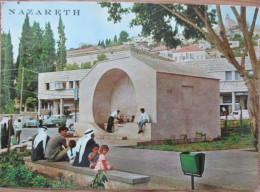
(140, 46)
(160, 48)
(190, 48)
(83, 50)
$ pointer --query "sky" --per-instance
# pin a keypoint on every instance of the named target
(85, 22)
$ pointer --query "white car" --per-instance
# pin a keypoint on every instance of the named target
(71, 120)
(235, 115)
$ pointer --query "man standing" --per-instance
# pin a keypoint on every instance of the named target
(111, 120)
(18, 131)
(143, 119)
(57, 148)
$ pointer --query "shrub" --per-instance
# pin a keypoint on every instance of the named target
(39, 182)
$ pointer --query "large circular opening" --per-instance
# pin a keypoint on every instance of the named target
(115, 90)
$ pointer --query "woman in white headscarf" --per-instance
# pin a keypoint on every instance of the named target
(39, 143)
(83, 148)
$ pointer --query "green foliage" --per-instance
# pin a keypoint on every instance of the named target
(115, 10)
(31, 103)
(9, 107)
(39, 182)
(13, 173)
(123, 36)
(61, 52)
(233, 141)
(86, 65)
(16, 176)
(99, 180)
(73, 66)
(157, 21)
(48, 55)
(100, 57)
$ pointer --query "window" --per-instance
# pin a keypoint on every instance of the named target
(77, 84)
(228, 76)
(237, 76)
(60, 85)
(71, 85)
(47, 86)
(250, 73)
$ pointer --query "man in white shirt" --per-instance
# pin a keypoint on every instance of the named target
(18, 131)
(111, 120)
(144, 118)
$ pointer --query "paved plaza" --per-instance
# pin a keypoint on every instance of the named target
(226, 169)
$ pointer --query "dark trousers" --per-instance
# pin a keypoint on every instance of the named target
(110, 124)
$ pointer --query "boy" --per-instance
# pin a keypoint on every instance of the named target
(93, 156)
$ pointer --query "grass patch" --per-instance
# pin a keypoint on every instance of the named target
(233, 141)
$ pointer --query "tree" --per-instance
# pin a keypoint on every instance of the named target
(25, 59)
(86, 65)
(7, 70)
(123, 36)
(61, 52)
(115, 39)
(73, 66)
(31, 103)
(100, 57)
(48, 54)
(2, 101)
(198, 21)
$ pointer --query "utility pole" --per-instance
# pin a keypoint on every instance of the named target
(21, 93)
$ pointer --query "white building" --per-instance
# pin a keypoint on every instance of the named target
(233, 91)
(163, 51)
(190, 53)
(204, 44)
(233, 44)
(56, 90)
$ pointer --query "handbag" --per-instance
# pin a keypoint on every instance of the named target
(13, 140)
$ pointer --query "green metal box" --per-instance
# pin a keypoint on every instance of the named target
(192, 163)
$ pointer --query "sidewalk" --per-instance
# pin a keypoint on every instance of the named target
(228, 169)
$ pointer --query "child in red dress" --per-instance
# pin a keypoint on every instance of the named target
(102, 164)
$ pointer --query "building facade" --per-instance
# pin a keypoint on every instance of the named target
(189, 53)
(56, 91)
(233, 91)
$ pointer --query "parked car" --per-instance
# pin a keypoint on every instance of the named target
(31, 123)
(71, 120)
(235, 115)
(57, 120)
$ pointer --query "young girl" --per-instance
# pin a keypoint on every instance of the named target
(72, 152)
(93, 156)
(102, 164)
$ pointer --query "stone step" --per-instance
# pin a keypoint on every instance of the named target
(112, 137)
(113, 142)
(83, 175)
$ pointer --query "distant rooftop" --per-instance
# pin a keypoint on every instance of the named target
(190, 48)
(82, 50)
(160, 48)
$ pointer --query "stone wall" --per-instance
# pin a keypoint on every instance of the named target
(186, 105)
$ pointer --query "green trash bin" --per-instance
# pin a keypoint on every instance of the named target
(192, 163)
